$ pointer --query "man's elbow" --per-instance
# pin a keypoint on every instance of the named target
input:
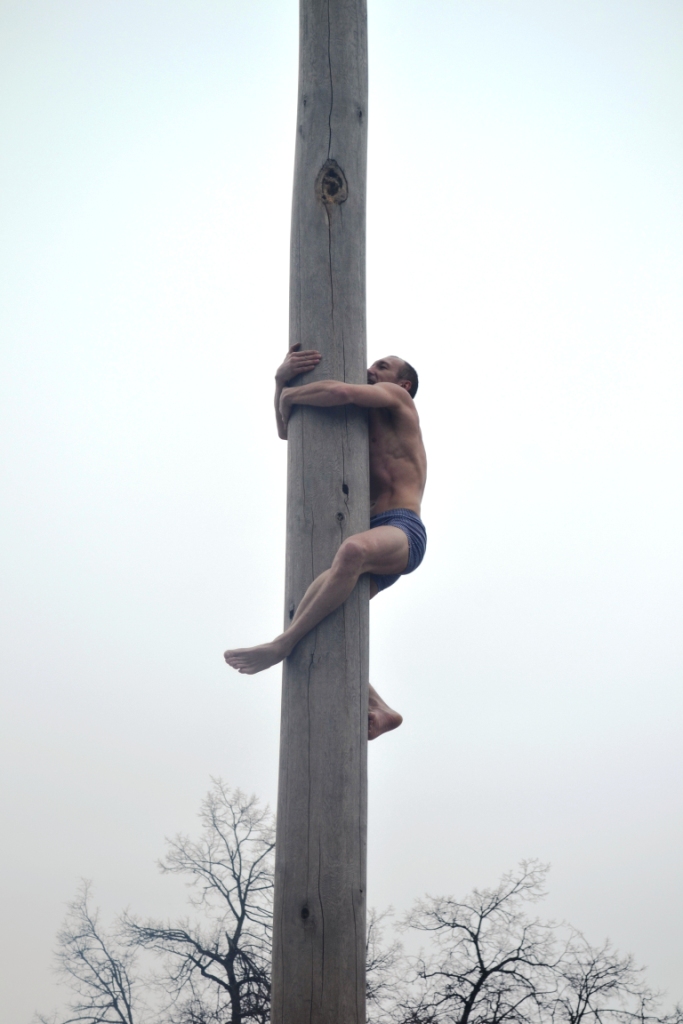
(344, 393)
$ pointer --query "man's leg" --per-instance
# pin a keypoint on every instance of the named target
(383, 550)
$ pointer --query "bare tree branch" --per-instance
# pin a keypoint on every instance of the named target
(490, 964)
(597, 985)
(99, 968)
(230, 870)
(382, 969)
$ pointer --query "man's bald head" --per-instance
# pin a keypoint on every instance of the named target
(393, 369)
(409, 373)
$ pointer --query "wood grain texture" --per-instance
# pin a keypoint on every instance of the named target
(319, 925)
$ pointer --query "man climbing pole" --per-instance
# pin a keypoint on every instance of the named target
(396, 541)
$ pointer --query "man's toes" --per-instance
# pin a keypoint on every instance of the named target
(233, 659)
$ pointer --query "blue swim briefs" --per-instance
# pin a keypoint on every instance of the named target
(414, 529)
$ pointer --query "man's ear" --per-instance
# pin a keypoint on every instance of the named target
(406, 385)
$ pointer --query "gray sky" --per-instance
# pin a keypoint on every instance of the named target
(525, 253)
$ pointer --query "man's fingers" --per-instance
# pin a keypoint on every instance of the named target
(306, 357)
(298, 362)
(296, 347)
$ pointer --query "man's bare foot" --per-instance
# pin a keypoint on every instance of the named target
(250, 660)
(381, 718)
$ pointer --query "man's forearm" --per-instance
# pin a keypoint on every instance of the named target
(323, 393)
(328, 393)
(295, 363)
(281, 425)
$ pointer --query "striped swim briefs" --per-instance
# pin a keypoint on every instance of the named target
(414, 529)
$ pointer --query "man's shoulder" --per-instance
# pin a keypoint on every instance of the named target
(402, 403)
(399, 394)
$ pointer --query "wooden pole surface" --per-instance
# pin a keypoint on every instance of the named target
(319, 917)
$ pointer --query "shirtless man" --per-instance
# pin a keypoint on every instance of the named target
(396, 541)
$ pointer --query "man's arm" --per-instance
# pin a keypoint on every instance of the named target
(295, 362)
(328, 393)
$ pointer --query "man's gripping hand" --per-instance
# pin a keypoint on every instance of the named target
(296, 362)
(285, 407)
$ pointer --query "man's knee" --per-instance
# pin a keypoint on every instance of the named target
(350, 557)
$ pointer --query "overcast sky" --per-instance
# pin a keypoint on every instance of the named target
(525, 244)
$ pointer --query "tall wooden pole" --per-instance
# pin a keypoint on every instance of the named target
(319, 922)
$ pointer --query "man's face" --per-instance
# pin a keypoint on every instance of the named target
(385, 370)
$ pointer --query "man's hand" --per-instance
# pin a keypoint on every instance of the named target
(296, 362)
(285, 406)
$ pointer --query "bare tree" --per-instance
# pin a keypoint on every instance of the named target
(490, 964)
(382, 966)
(99, 967)
(488, 960)
(597, 985)
(199, 1009)
(226, 958)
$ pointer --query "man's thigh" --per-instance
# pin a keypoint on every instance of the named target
(386, 550)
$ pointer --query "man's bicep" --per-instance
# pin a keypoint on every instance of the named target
(375, 396)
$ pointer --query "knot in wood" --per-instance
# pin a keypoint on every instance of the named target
(331, 186)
